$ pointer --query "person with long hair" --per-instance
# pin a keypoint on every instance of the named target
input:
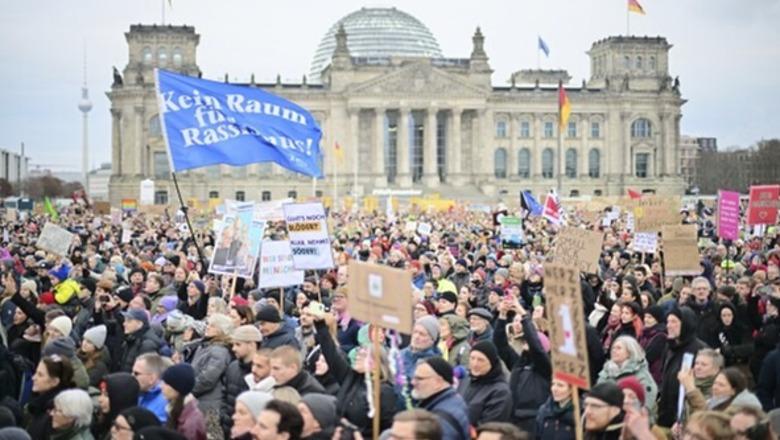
(630, 320)
(628, 359)
(53, 375)
(730, 390)
(184, 415)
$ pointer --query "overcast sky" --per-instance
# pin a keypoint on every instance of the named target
(726, 53)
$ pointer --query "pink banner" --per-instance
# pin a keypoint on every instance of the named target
(728, 215)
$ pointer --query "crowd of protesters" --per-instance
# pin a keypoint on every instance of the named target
(134, 338)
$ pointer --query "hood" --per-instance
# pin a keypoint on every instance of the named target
(689, 324)
(458, 326)
(122, 389)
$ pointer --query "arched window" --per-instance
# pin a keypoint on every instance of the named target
(162, 56)
(499, 163)
(652, 63)
(641, 128)
(547, 163)
(594, 163)
(154, 126)
(627, 62)
(639, 62)
(177, 59)
(524, 163)
(147, 55)
(571, 163)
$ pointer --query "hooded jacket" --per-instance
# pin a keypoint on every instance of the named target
(145, 340)
(456, 350)
(637, 368)
(210, 362)
(687, 342)
(734, 341)
(555, 422)
(122, 390)
(37, 418)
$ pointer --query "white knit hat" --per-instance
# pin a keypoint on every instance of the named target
(62, 324)
(255, 401)
(96, 336)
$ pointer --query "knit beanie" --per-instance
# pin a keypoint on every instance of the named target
(60, 272)
(64, 347)
(489, 350)
(139, 418)
(199, 327)
(442, 368)
(268, 313)
(657, 312)
(449, 296)
(180, 377)
(246, 333)
(431, 325)
(14, 433)
(255, 401)
(503, 272)
(169, 302)
(608, 392)
(31, 286)
(323, 408)
(177, 321)
(633, 384)
(125, 294)
(96, 336)
(200, 286)
(62, 324)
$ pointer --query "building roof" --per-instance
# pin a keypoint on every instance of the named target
(377, 33)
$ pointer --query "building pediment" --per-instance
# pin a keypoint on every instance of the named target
(415, 81)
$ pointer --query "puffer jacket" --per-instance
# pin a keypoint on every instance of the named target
(210, 362)
(555, 422)
(637, 368)
(279, 338)
(66, 290)
(488, 397)
(452, 412)
(145, 340)
(234, 384)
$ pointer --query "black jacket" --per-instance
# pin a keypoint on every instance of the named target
(613, 431)
(765, 341)
(234, 385)
(279, 338)
(488, 397)
(304, 383)
(37, 419)
(145, 340)
(197, 310)
(768, 381)
(708, 320)
(115, 334)
(555, 422)
(122, 389)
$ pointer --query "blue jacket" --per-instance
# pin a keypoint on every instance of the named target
(411, 358)
(154, 401)
(450, 408)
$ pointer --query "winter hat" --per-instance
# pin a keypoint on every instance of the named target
(322, 407)
(180, 377)
(246, 333)
(46, 298)
(461, 262)
(608, 392)
(480, 312)
(31, 286)
(503, 272)
(62, 324)
(64, 347)
(449, 297)
(268, 313)
(177, 321)
(633, 384)
(200, 286)
(489, 350)
(14, 433)
(431, 326)
(96, 336)
(677, 285)
(137, 314)
(157, 433)
(60, 272)
(442, 368)
(657, 312)
(7, 417)
(222, 322)
(169, 302)
(125, 294)
(482, 274)
(255, 401)
(89, 284)
(139, 418)
(199, 327)
(239, 301)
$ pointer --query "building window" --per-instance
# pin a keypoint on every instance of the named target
(318, 194)
(652, 63)
(547, 163)
(161, 170)
(627, 62)
(154, 126)
(213, 194)
(524, 163)
(501, 129)
(641, 128)
(642, 165)
(240, 196)
(548, 129)
(639, 62)
(594, 163)
(574, 193)
(418, 144)
(266, 196)
(441, 146)
(572, 130)
(147, 55)
(499, 163)
(292, 194)
(571, 163)
(162, 56)
(595, 130)
(161, 197)
(597, 192)
(177, 58)
(525, 129)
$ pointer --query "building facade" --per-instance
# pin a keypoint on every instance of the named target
(408, 118)
(99, 180)
(14, 167)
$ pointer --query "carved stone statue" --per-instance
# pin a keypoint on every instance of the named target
(117, 78)
(676, 86)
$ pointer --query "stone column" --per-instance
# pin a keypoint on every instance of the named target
(536, 150)
(430, 176)
(403, 170)
(511, 164)
(455, 152)
(354, 135)
(380, 176)
(627, 150)
(116, 142)
(584, 134)
(140, 149)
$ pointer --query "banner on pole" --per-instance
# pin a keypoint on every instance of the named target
(276, 266)
(512, 232)
(728, 215)
(307, 226)
(681, 251)
(762, 206)
(380, 295)
(578, 247)
(55, 239)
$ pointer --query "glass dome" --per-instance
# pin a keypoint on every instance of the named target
(377, 33)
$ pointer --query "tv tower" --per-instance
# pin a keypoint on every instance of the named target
(85, 105)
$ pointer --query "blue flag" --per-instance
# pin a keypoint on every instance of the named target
(530, 203)
(208, 123)
(543, 47)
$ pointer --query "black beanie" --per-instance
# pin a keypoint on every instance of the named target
(442, 368)
(449, 296)
(657, 312)
(157, 433)
(608, 392)
(139, 418)
(268, 313)
(489, 350)
(180, 377)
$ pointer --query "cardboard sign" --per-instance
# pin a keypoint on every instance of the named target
(651, 213)
(238, 242)
(578, 247)
(272, 211)
(55, 239)
(512, 232)
(762, 207)
(11, 214)
(424, 229)
(153, 210)
(410, 227)
(307, 226)
(646, 242)
(116, 216)
(681, 252)
(276, 266)
(567, 330)
(728, 215)
(101, 208)
(380, 295)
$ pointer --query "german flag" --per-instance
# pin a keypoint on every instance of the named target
(564, 107)
(634, 6)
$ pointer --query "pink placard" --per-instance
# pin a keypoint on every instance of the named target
(728, 215)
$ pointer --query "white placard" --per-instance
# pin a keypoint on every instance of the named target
(307, 226)
(645, 242)
(630, 222)
(276, 266)
(147, 192)
(424, 229)
(410, 227)
(127, 235)
(55, 239)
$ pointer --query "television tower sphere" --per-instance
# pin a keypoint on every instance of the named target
(85, 105)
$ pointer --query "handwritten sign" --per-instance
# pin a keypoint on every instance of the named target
(651, 213)
(645, 242)
(276, 266)
(55, 239)
(728, 215)
(424, 229)
(380, 295)
(567, 333)
(681, 252)
(762, 206)
(579, 247)
(307, 226)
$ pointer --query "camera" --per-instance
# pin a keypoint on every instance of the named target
(104, 298)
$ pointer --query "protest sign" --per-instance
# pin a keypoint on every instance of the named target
(728, 215)
(127, 235)
(11, 214)
(681, 252)
(276, 266)
(380, 295)
(116, 216)
(762, 206)
(272, 211)
(308, 230)
(511, 232)
(410, 227)
(650, 213)
(238, 242)
(55, 239)
(101, 208)
(646, 242)
(146, 192)
(424, 229)
(578, 247)
(567, 330)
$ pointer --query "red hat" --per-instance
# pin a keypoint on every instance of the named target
(46, 298)
(239, 301)
(415, 264)
(633, 384)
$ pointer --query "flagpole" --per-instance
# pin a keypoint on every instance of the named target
(162, 3)
(560, 157)
(184, 209)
